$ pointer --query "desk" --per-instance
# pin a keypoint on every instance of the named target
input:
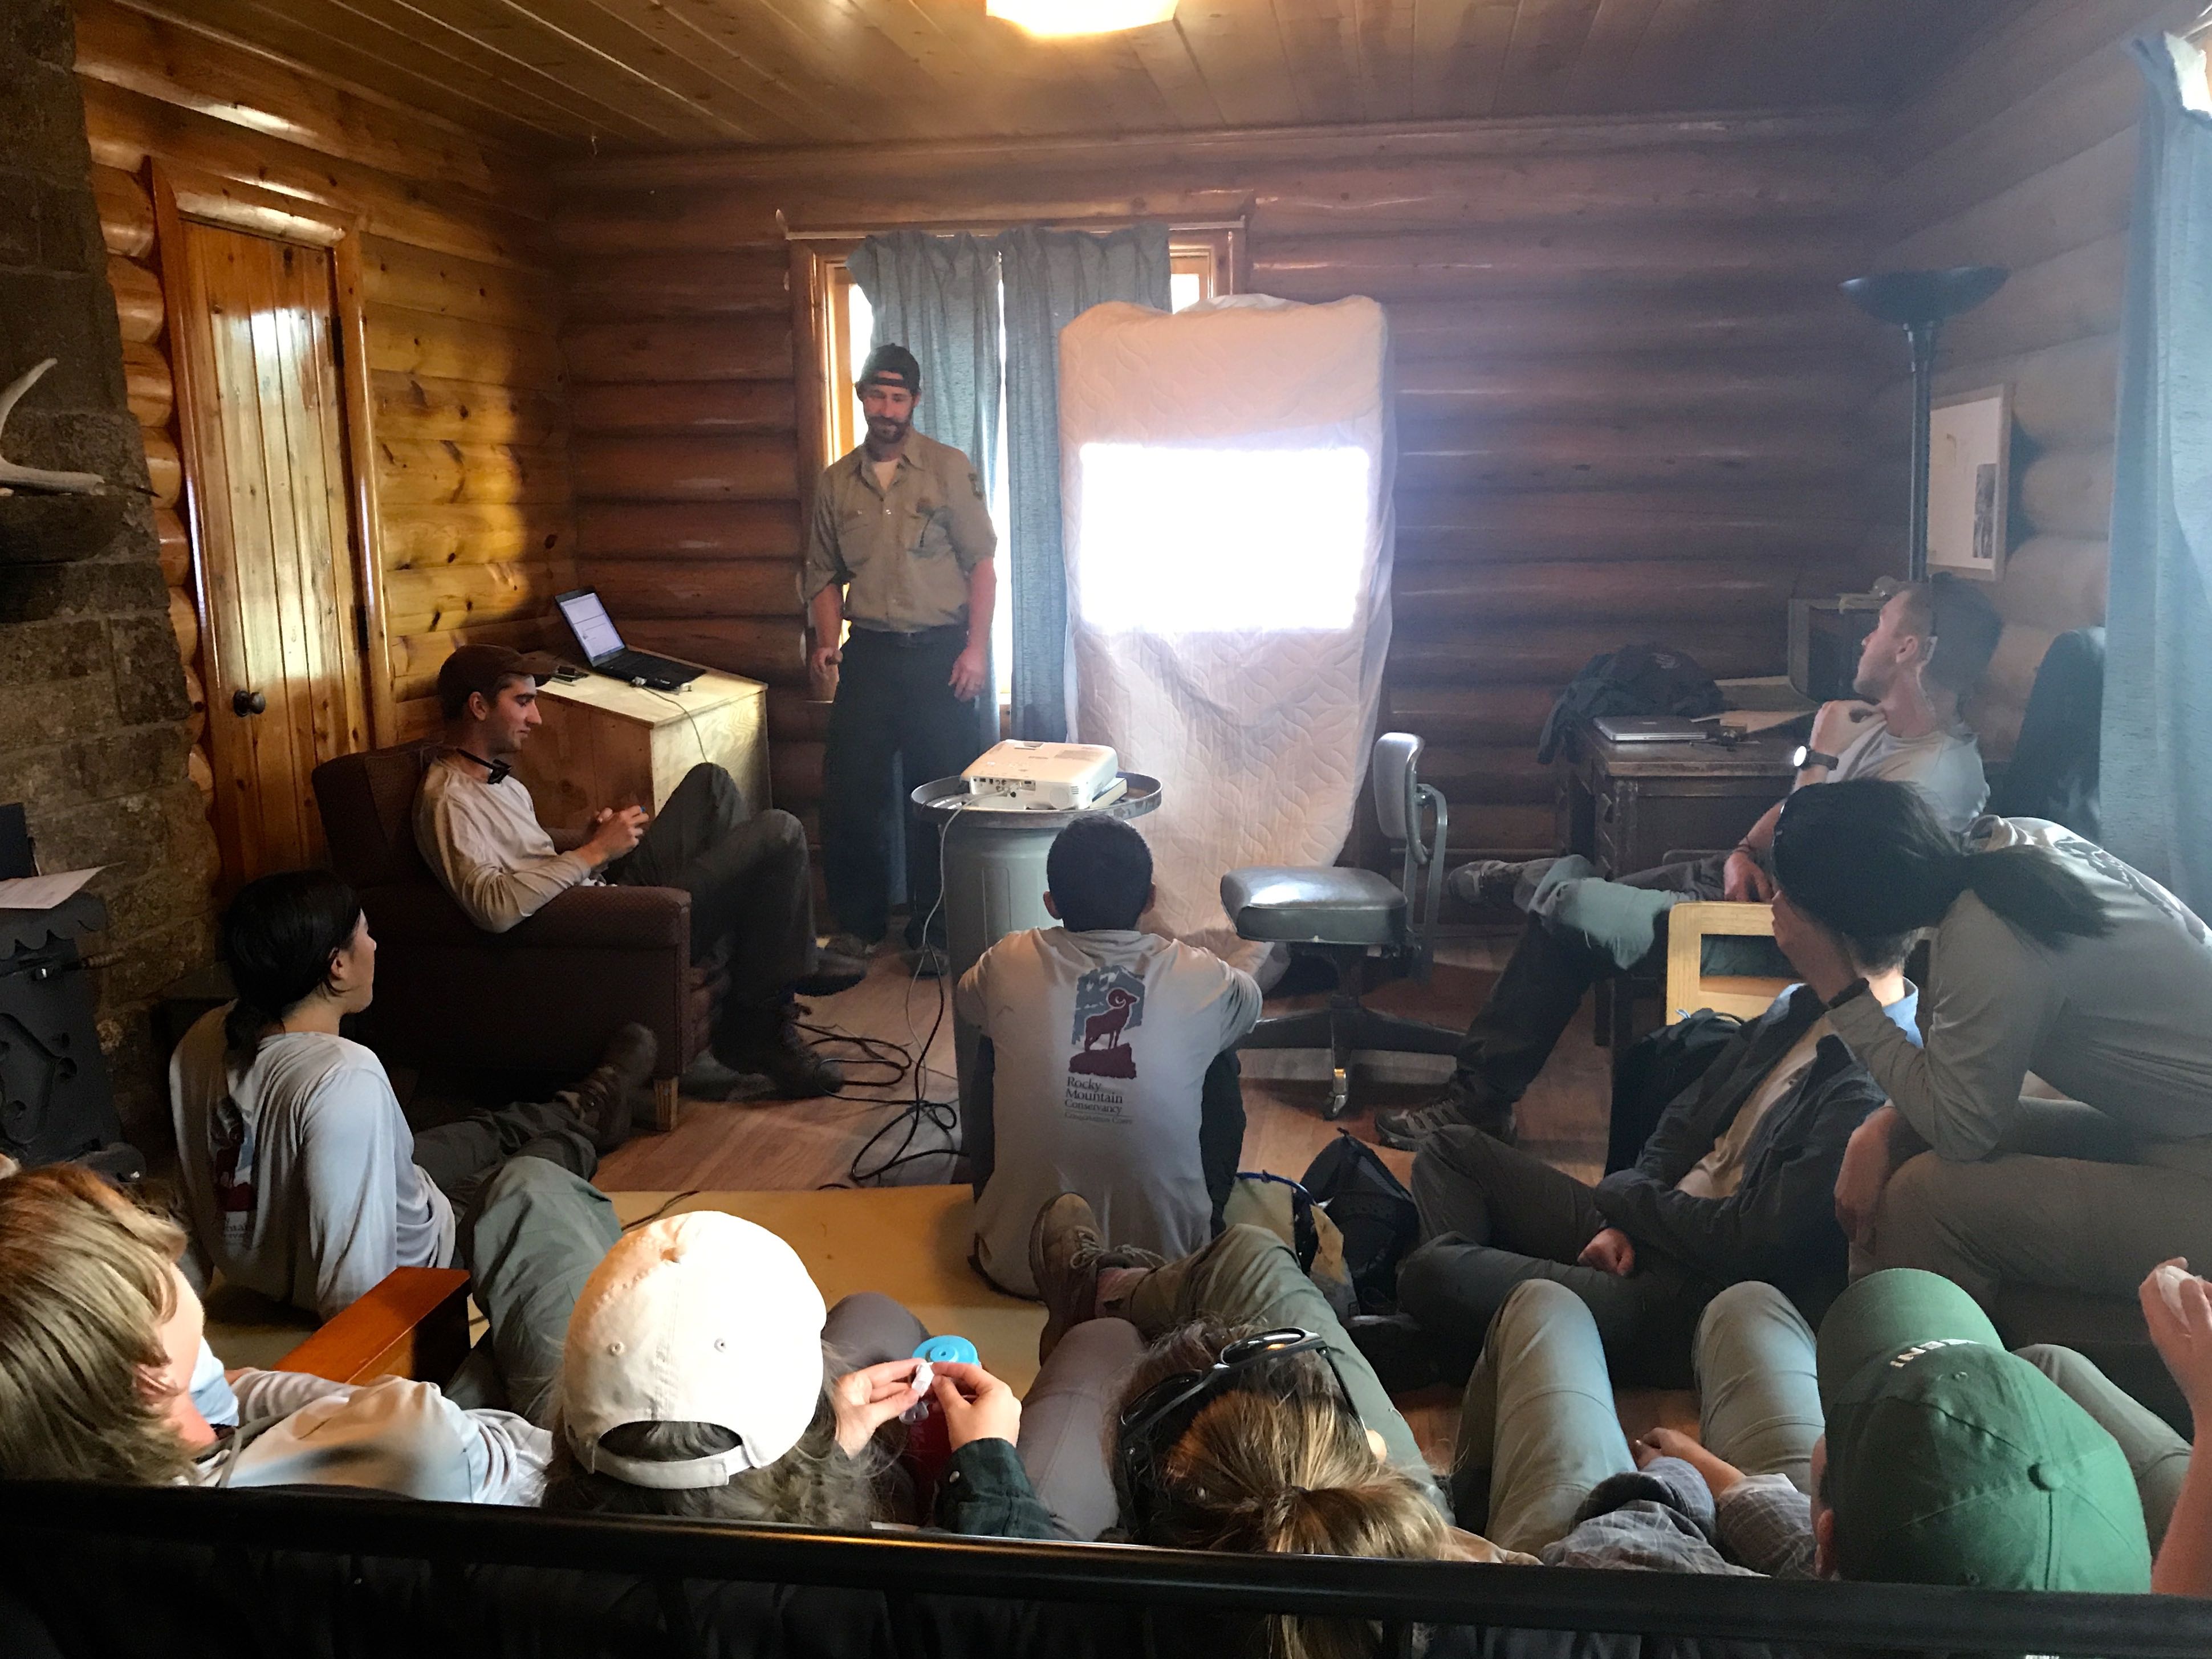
(1625, 806)
(604, 742)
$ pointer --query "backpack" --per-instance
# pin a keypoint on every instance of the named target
(1285, 1209)
(1652, 1075)
(1637, 679)
(1373, 1212)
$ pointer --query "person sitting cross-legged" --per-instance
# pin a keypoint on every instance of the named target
(752, 904)
(1927, 651)
(1111, 1069)
(1733, 1183)
(301, 1178)
(1904, 1446)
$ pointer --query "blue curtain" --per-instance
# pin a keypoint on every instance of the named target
(938, 297)
(2157, 762)
(1051, 277)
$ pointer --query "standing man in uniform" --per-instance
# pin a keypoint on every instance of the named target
(900, 547)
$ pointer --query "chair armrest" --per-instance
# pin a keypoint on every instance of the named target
(413, 1323)
(636, 918)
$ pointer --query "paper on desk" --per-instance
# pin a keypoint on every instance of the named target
(44, 892)
(1758, 720)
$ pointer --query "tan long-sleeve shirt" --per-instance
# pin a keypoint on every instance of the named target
(905, 551)
(486, 844)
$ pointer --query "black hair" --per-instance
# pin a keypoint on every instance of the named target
(278, 937)
(1100, 872)
(1867, 858)
(1958, 613)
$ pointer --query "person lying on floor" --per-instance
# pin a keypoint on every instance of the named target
(702, 1377)
(105, 1373)
(301, 1179)
(1905, 1446)
(1929, 650)
(752, 895)
(1111, 1070)
(1735, 1184)
(2052, 957)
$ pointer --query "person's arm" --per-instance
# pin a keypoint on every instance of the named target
(2178, 1308)
(973, 664)
(821, 576)
(353, 1139)
(496, 896)
(985, 1490)
(507, 1455)
(1757, 1232)
(975, 540)
(826, 612)
(279, 1394)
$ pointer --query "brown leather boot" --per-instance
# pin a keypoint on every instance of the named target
(765, 1039)
(607, 1099)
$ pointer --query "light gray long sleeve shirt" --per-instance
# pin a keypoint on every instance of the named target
(2123, 1023)
(488, 849)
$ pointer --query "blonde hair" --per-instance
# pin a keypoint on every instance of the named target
(85, 1287)
(1280, 1464)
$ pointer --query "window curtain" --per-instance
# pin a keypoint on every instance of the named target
(2157, 760)
(938, 297)
(1051, 277)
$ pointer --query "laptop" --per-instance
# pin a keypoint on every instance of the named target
(1650, 728)
(601, 642)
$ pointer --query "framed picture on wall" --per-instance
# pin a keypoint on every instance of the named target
(1970, 482)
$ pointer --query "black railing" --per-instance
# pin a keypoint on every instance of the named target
(1396, 1594)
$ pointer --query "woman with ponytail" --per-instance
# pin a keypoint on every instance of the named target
(2051, 957)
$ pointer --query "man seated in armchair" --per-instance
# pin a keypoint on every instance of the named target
(752, 903)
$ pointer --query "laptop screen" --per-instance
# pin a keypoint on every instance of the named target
(588, 621)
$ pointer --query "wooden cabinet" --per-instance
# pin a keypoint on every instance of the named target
(607, 744)
(1625, 805)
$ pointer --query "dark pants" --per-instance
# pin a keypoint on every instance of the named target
(1493, 1217)
(895, 702)
(752, 893)
(1581, 929)
(463, 1157)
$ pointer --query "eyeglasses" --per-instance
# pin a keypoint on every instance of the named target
(1178, 1399)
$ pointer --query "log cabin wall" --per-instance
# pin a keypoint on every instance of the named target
(472, 498)
(2023, 154)
(1628, 392)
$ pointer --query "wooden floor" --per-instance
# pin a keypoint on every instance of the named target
(759, 1146)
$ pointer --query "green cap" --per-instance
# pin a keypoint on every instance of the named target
(1951, 1462)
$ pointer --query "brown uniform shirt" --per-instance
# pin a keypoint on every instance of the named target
(905, 552)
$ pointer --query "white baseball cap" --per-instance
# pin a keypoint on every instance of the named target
(699, 1318)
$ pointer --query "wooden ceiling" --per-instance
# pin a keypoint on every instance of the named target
(562, 76)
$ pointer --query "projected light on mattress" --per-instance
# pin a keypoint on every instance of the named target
(1180, 541)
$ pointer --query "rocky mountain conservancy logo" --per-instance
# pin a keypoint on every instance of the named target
(1109, 1004)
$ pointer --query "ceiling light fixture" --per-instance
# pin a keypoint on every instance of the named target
(1058, 18)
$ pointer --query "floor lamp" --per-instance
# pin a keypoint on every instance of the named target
(1918, 301)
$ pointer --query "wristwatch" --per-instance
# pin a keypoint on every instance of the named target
(1807, 755)
(1857, 987)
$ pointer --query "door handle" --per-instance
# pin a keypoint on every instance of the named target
(248, 702)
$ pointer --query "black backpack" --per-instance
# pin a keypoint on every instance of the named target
(1374, 1212)
(1652, 1075)
(1637, 679)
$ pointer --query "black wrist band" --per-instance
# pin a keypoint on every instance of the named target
(1857, 987)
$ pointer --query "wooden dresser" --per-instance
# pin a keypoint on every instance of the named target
(605, 743)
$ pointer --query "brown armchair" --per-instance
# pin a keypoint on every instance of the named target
(544, 996)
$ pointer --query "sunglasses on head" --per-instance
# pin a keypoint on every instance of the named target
(1156, 1418)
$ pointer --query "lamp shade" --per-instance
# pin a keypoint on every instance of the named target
(1907, 297)
(1058, 18)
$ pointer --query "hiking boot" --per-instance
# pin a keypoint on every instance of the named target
(849, 944)
(607, 1099)
(833, 971)
(1066, 1257)
(766, 1040)
(1399, 1350)
(1411, 1128)
(927, 961)
(1497, 882)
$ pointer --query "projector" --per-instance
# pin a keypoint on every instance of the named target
(1043, 777)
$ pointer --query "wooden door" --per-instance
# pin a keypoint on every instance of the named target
(284, 663)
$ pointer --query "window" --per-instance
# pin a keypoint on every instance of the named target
(1201, 262)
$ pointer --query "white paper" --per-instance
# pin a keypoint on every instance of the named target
(44, 892)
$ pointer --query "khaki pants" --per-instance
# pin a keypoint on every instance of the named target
(2067, 1223)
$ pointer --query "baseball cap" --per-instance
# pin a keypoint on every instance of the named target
(1951, 1461)
(483, 668)
(895, 366)
(702, 1317)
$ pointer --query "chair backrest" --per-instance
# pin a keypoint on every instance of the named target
(1689, 987)
(367, 803)
(1400, 797)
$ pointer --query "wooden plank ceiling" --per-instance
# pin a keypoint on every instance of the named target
(564, 75)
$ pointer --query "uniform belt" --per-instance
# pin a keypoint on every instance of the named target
(917, 638)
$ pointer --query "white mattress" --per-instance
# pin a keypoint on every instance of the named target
(1226, 476)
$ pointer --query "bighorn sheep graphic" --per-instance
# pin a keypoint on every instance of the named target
(1106, 1027)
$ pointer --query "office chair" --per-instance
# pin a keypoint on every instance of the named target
(1340, 914)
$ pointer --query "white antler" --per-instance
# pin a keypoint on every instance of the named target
(38, 478)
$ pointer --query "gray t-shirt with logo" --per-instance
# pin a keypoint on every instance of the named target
(1102, 1041)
